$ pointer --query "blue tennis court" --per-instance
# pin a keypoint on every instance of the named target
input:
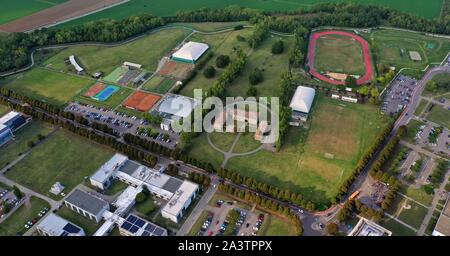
(106, 93)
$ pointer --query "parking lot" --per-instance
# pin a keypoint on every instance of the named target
(398, 95)
(122, 123)
(7, 197)
(441, 146)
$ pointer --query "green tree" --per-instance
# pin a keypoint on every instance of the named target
(17, 192)
(209, 72)
(252, 91)
(255, 76)
(278, 47)
(222, 61)
(141, 197)
(332, 228)
(350, 81)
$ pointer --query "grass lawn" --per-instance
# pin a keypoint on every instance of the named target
(443, 78)
(246, 143)
(19, 9)
(424, 8)
(158, 84)
(221, 43)
(14, 225)
(65, 157)
(340, 54)
(408, 211)
(422, 104)
(396, 228)
(89, 226)
(147, 208)
(440, 116)
(392, 48)
(3, 110)
(115, 232)
(116, 187)
(53, 87)
(198, 224)
(275, 226)
(412, 128)
(106, 59)
(314, 162)
(417, 194)
(222, 140)
(201, 150)
(116, 99)
(431, 225)
(19, 145)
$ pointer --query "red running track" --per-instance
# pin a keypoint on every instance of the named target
(366, 54)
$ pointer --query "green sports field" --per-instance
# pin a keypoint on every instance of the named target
(146, 51)
(65, 157)
(158, 84)
(392, 47)
(49, 86)
(12, 10)
(339, 54)
(424, 8)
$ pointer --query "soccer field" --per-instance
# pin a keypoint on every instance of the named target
(49, 86)
(424, 8)
(12, 10)
(65, 157)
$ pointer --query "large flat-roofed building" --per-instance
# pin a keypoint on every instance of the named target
(190, 52)
(301, 103)
(176, 207)
(13, 120)
(54, 225)
(365, 227)
(442, 227)
(5, 134)
(135, 226)
(103, 177)
(86, 204)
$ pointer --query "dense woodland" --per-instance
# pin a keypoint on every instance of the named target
(15, 48)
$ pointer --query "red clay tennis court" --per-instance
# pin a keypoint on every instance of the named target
(141, 101)
(365, 50)
(94, 90)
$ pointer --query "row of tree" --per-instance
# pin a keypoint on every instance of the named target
(264, 203)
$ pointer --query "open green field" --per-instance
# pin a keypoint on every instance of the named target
(275, 226)
(158, 84)
(408, 211)
(110, 103)
(3, 110)
(89, 226)
(15, 223)
(65, 157)
(19, 145)
(440, 116)
(396, 228)
(222, 140)
(441, 79)
(421, 107)
(424, 8)
(313, 161)
(221, 43)
(107, 58)
(392, 47)
(246, 143)
(339, 54)
(13, 10)
(53, 87)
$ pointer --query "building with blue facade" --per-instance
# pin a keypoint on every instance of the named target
(13, 120)
(5, 134)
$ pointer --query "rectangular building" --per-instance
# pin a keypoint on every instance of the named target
(14, 120)
(301, 104)
(103, 177)
(176, 207)
(135, 226)
(442, 227)
(87, 205)
(54, 225)
(365, 227)
(5, 134)
(190, 52)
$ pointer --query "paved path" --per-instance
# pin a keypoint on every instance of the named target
(420, 150)
(411, 199)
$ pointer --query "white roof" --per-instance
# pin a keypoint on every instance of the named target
(365, 227)
(178, 105)
(6, 118)
(303, 99)
(191, 51)
(2, 126)
(105, 172)
(181, 196)
(131, 64)
(75, 64)
(54, 224)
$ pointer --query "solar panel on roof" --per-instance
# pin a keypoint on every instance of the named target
(131, 218)
(134, 229)
(150, 227)
(140, 223)
(71, 228)
(64, 233)
(158, 232)
(145, 233)
(126, 225)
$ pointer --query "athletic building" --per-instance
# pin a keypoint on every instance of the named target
(5, 134)
(13, 120)
(190, 52)
(53, 225)
(301, 104)
(87, 205)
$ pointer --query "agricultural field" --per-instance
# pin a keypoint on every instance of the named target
(392, 47)
(65, 157)
(112, 102)
(19, 145)
(19, 9)
(107, 58)
(424, 8)
(339, 54)
(52, 87)
(440, 116)
(14, 225)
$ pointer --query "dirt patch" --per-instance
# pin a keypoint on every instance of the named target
(96, 88)
(56, 14)
(175, 69)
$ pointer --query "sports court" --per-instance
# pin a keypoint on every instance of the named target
(106, 93)
(116, 75)
(176, 69)
(94, 90)
(141, 101)
(327, 75)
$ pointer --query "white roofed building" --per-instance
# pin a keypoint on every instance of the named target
(103, 177)
(190, 52)
(54, 225)
(176, 207)
(74, 63)
(301, 103)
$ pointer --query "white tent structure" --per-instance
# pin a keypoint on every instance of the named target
(190, 52)
(303, 99)
(75, 64)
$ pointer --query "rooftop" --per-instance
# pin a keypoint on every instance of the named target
(57, 226)
(303, 99)
(86, 201)
(107, 169)
(177, 105)
(443, 224)
(365, 227)
(12, 114)
(191, 51)
(140, 227)
(177, 202)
